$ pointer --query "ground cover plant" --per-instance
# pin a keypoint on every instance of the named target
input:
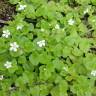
(48, 48)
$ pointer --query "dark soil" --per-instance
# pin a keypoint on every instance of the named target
(6, 11)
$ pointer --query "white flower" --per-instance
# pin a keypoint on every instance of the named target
(71, 22)
(86, 11)
(93, 72)
(1, 77)
(41, 43)
(22, 7)
(8, 64)
(6, 33)
(57, 26)
(19, 27)
(14, 46)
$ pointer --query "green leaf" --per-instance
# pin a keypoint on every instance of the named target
(63, 87)
(45, 58)
(14, 1)
(57, 64)
(35, 91)
(22, 59)
(55, 91)
(34, 58)
(3, 46)
(14, 67)
(84, 45)
(93, 2)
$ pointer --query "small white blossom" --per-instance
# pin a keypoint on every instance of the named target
(57, 26)
(22, 7)
(1, 77)
(71, 22)
(93, 72)
(8, 64)
(19, 27)
(14, 46)
(86, 11)
(6, 33)
(41, 43)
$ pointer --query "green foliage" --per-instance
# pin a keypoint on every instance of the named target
(49, 49)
